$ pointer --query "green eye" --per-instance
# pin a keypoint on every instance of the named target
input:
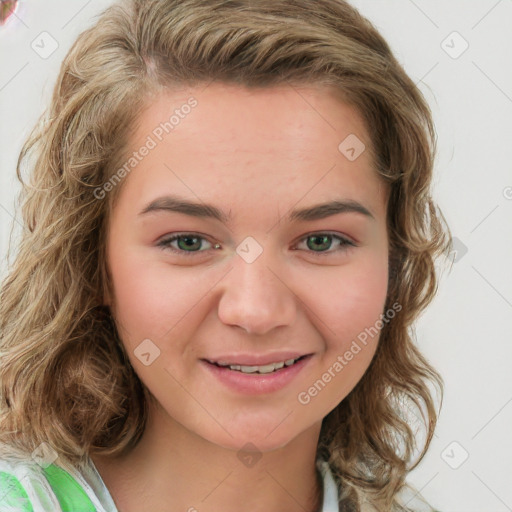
(321, 243)
(187, 243)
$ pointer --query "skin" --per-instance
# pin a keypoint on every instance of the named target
(255, 154)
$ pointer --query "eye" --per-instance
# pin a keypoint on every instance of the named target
(324, 241)
(187, 243)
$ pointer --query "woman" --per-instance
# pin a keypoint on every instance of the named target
(229, 235)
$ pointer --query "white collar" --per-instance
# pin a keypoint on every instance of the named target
(330, 502)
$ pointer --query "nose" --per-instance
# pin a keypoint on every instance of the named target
(256, 296)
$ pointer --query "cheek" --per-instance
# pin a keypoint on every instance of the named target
(349, 301)
(157, 304)
(348, 317)
(155, 301)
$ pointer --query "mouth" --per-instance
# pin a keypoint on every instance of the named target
(275, 367)
(252, 374)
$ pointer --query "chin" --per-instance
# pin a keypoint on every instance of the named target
(264, 437)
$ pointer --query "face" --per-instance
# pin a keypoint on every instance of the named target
(255, 271)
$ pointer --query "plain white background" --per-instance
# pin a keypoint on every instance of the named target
(459, 54)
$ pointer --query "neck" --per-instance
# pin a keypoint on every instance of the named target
(175, 470)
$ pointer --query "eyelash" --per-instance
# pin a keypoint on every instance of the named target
(165, 244)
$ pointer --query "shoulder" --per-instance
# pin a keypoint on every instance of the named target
(26, 486)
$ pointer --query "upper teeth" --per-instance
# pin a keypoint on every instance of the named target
(268, 368)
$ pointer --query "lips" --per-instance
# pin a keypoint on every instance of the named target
(252, 381)
(268, 368)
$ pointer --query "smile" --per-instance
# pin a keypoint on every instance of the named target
(256, 379)
(268, 368)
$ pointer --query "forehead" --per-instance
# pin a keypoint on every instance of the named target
(307, 113)
(235, 141)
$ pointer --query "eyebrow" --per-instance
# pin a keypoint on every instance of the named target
(205, 210)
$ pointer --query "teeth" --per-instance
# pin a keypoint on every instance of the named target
(268, 368)
(248, 369)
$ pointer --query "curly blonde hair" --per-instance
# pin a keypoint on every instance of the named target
(65, 377)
